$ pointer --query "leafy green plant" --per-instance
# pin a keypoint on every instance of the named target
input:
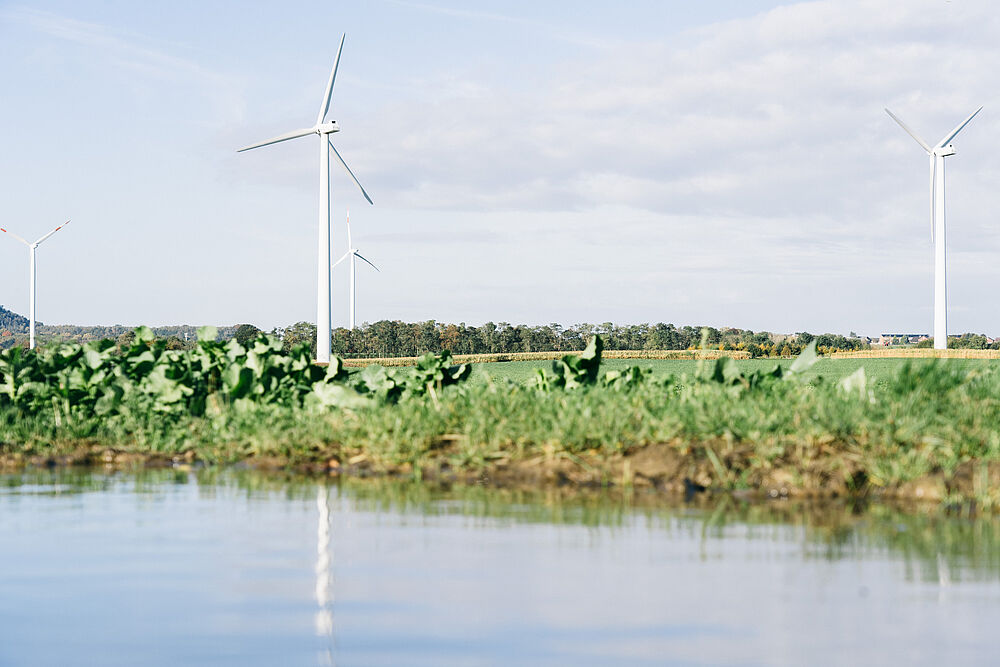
(574, 371)
(144, 375)
(434, 371)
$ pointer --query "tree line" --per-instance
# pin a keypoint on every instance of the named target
(393, 338)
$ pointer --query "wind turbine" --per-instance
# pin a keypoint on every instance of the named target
(937, 154)
(31, 280)
(352, 252)
(323, 129)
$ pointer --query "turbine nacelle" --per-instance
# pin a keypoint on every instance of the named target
(944, 151)
(328, 127)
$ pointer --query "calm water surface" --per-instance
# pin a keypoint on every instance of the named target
(241, 568)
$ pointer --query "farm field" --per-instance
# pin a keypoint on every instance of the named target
(878, 370)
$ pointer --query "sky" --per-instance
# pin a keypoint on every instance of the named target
(726, 163)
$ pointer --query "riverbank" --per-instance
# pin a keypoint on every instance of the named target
(931, 436)
(671, 469)
(930, 430)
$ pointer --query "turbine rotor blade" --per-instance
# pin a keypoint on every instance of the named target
(351, 173)
(281, 137)
(346, 255)
(360, 256)
(6, 231)
(325, 106)
(349, 243)
(52, 232)
(947, 140)
(910, 132)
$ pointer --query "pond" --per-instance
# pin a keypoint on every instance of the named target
(236, 567)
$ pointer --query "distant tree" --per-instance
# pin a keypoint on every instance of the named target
(429, 340)
(125, 340)
(300, 332)
(11, 321)
(175, 343)
(968, 341)
(245, 333)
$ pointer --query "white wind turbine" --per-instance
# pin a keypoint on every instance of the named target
(31, 280)
(352, 252)
(937, 155)
(323, 129)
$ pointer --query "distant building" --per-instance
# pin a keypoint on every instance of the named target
(900, 338)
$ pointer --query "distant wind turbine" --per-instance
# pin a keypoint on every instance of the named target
(937, 155)
(31, 281)
(323, 129)
(352, 252)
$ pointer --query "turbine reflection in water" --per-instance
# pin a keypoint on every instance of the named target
(324, 612)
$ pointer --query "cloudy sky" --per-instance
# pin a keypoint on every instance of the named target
(725, 163)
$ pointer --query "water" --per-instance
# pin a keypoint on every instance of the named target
(242, 568)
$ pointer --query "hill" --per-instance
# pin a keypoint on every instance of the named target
(12, 322)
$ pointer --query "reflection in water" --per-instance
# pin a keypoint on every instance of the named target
(436, 575)
(935, 545)
(324, 613)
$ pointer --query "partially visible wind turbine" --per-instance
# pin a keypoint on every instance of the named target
(31, 280)
(323, 129)
(352, 252)
(937, 155)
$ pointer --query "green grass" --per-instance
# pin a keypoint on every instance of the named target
(878, 370)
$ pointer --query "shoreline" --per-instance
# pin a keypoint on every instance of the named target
(662, 469)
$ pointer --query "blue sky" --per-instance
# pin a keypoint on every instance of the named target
(726, 163)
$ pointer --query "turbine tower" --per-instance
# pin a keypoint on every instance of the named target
(352, 252)
(323, 129)
(31, 279)
(937, 154)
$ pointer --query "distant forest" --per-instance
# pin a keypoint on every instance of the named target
(388, 339)
(14, 331)
(406, 339)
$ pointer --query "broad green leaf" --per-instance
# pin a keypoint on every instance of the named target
(145, 334)
(856, 382)
(805, 360)
(207, 334)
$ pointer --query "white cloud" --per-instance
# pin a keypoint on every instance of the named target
(778, 115)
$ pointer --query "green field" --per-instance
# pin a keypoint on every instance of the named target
(878, 370)
(927, 429)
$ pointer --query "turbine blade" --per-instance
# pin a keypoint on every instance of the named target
(933, 175)
(281, 137)
(52, 232)
(909, 131)
(360, 256)
(346, 255)
(349, 243)
(352, 174)
(325, 107)
(6, 231)
(947, 140)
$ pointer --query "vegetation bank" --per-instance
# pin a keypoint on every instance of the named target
(931, 430)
